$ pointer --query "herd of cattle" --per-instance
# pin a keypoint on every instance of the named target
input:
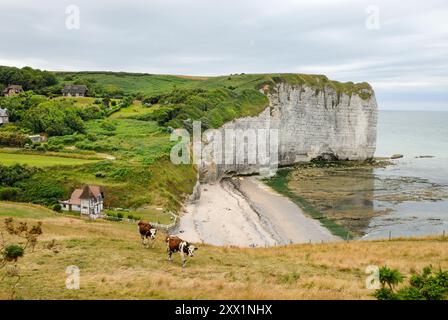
(173, 243)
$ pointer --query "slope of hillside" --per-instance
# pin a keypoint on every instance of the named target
(126, 270)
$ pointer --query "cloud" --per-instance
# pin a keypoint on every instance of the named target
(406, 56)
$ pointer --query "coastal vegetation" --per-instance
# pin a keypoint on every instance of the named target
(118, 135)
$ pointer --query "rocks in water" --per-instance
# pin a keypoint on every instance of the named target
(424, 157)
(396, 156)
(325, 157)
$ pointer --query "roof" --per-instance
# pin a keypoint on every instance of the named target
(85, 193)
(75, 197)
(90, 192)
(13, 87)
(74, 88)
(3, 112)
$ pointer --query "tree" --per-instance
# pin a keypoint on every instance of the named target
(56, 118)
(27, 77)
(11, 252)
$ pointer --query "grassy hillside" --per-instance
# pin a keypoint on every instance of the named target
(150, 84)
(129, 82)
(125, 270)
(125, 125)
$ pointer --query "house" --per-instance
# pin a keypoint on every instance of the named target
(4, 116)
(87, 201)
(12, 90)
(36, 138)
(73, 90)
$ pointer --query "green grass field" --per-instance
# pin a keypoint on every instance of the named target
(133, 110)
(41, 160)
(22, 210)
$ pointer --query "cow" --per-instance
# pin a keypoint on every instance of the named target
(176, 244)
(147, 231)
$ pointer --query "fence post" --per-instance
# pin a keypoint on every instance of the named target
(390, 235)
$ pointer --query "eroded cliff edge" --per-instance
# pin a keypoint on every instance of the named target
(311, 122)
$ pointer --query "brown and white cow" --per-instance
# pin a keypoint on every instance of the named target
(146, 231)
(176, 244)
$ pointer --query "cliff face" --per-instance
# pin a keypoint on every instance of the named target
(310, 123)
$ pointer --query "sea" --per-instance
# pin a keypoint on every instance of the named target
(422, 138)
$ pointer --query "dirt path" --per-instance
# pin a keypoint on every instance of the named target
(244, 212)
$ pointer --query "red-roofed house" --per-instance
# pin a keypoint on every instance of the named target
(88, 200)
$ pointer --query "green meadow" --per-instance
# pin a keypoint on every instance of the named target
(40, 161)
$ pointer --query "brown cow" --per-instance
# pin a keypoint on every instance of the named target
(146, 231)
(176, 244)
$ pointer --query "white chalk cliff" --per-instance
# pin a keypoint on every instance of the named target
(310, 123)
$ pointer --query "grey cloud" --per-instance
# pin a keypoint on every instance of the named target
(406, 57)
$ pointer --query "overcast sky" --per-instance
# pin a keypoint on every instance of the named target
(404, 54)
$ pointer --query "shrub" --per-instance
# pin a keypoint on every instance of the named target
(42, 191)
(9, 193)
(12, 252)
(385, 294)
(108, 126)
(55, 118)
(428, 285)
(57, 207)
(120, 215)
(10, 175)
(390, 277)
(55, 147)
(13, 139)
(41, 148)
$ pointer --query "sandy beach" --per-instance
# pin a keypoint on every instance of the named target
(245, 212)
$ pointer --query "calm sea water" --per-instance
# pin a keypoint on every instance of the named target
(413, 134)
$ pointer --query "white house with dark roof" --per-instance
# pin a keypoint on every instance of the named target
(4, 116)
(88, 201)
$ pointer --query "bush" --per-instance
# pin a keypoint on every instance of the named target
(390, 277)
(41, 148)
(108, 126)
(100, 175)
(120, 215)
(40, 190)
(10, 175)
(12, 252)
(9, 193)
(385, 294)
(428, 285)
(55, 147)
(56, 118)
(13, 139)
(57, 207)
